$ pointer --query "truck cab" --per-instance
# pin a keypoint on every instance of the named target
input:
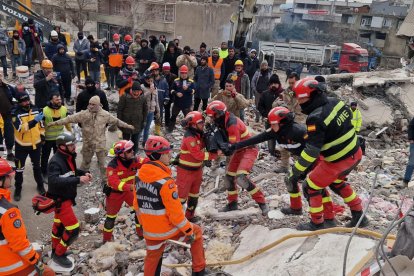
(353, 59)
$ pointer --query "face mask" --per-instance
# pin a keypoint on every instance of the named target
(56, 105)
(273, 89)
(80, 37)
(91, 88)
(54, 39)
(116, 42)
(16, 36)
(25, 28)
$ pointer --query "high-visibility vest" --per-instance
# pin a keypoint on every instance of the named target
(115, 60)
(52, 132)
(216, 68)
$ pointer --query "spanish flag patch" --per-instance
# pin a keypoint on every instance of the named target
(311, 128)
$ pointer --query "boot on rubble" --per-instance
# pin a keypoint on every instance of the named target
(290, 211)
(356, 215)
(199, 273)
(63, 261)
(265, 208)
(231, 206)
(310, 226)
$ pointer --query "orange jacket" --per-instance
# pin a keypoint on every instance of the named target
(159, 210)
(192, 153)
(121, 178)
(16, 251)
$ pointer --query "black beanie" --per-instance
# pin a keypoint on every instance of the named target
(136, 86)
(274, 79)
(89, 80)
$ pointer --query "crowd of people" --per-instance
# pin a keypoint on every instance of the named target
(157, 81)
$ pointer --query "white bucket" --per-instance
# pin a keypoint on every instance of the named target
(22, 71)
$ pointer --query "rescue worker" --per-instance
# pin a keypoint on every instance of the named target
(331, 135)
(18, 256)
(94, 121)
(121, 173)
(182, 92)
(216, 63)
(356, 117)
(234, 101)
(190, 163)
(241, 161)
(64, 178)
(115, 58)
(127, 76)
(241, 83)
(160, 212)
(290, 136)
(53, 111)
(28, 136)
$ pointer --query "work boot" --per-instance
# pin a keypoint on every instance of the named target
(310, 226)
(17, 194)
(290, 211)
(330, 223)
(265, 208)
(67, 253)
(63, 261)
(281, 170)
(231, 206)
(356, 215)
(200, 273)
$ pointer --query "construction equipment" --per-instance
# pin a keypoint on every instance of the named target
(242, 22)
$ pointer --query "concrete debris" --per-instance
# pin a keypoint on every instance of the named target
(92, 215)
(402, 264)
(215, 214)
(218, 251)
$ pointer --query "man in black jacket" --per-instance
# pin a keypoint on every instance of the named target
(145, 56)
(64, 178)
(82, 101)
(229, 64)
(6, 105)
(265, 105)
(63, 64)
(46, 83)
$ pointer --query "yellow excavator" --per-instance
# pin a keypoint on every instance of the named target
(242, 21)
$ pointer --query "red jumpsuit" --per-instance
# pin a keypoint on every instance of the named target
(241, 162)
(190, 169)
(121, 180)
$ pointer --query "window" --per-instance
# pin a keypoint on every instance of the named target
(387, 22)
(353, 58)
(366, 21)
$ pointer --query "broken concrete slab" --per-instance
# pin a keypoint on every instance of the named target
(296, 257)
(275, 214)
(215, 214)
(402, 264)
(378, 112)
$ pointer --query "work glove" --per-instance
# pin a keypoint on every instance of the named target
(190, 239)
(39, 117)
(227, 149)
(40, 268)
(291, 180)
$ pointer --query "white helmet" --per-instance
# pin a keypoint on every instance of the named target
(53, 33)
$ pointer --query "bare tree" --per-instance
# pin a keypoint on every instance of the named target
(78, 11)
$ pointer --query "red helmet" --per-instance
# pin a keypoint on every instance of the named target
(128, 37)
(184, 69)
(215, 107)
(123, 146)
(5, 168)
(193, 118)
(157, 144)
(303, 88)
(115, 37)
(277, 114)
(130, 61)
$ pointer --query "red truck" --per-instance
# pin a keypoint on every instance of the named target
(353, 59)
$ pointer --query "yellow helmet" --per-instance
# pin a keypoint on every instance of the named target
(47, 64)
(238, 62)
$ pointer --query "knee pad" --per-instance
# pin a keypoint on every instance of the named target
(192, 203)
(243, 181)
(336, 188)
(109, 223)
(228, 181)
(73, 235)
(308, 192)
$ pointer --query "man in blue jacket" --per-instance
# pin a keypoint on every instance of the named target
(204, 82)
(51, 48)
(63, 64)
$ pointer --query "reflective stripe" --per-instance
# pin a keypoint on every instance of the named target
(333, 113)
(326, 199)
(155, 247)
(11, 267)
(183, 200)
(206, 155)
(315, 209)
(32, 273)
(245, 133)
(26, 251)
(294, 195)
(162, 181)
(152, 212)
(71, 227)
(232, 138)
(108, 230)
(242, 172)
(184, 151)
(2, 210)
(63, 243)
(111, 216)
(231, 173)
(290, 146)
(338, 181)
(300, 167)
(193, 195)
(3, 242)
(187, 163)
(57, 220)
(232, 192)
(307, 157)
(255, 190)
(124, 181)
(350, 198)
(341, 153)
(340, 140)
(71, 173)
(161, 235)
(312, 185)
(182, 223)
(54, 237)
